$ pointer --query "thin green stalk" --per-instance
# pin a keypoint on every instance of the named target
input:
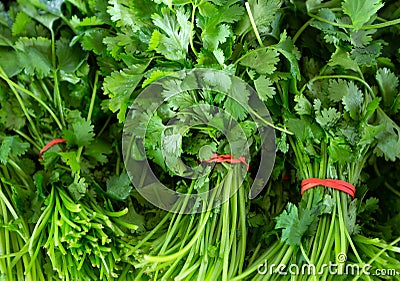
(224, 248)
(192, 31)
(341, 25)
(57, 94)
(253, 24)
(18, 265)
(317, 240)
(14, 86)
(184, 250)
(24, 109)
(327, 245)
(92, 99)
(243, 228)
(183, 275)
(301, 30)
(268, 123)
(22, 175)
(365, 27)
(342, 228)
(105, 125)
(266, 256)
(29, 139)
(45, 89)
(89, 116)
(42, 221)
(321, 77)
(5, 241)
(149, 235)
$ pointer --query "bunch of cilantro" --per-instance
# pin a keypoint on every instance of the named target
(61, 209)
(70, 69)
(343, 115)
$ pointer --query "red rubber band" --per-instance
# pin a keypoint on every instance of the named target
(219, 158)
(335, 184)
(50, 144)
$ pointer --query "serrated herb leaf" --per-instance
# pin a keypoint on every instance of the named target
(173, 38)
(361, 11)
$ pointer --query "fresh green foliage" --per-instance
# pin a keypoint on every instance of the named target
(71, 69)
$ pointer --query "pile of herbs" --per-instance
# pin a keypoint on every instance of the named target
(326, 70)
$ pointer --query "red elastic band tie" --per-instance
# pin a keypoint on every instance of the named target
(50, 144)
(219, 158)
(336, 184)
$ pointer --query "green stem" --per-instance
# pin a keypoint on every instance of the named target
(253, 24)
(185, 249)
(42, 221)
(342, 25)
(92, 99)
(192, 31)
(268, 123)
(382, 25)
(24, 109)
(57, 94)
(14, 86)
(29, 139)
(365, 27)
(243, 228)
(225, 249)
(301, 30)
(5, 240)
(337, 77)
(149, 235)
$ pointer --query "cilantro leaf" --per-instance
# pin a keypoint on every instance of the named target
(70, 158)
(98, 150)
(120, 85)
(262, 61)
(293, 224)
(361, 11)
(12, 146)
(340, 151)
(69, 57)
(21, 23)
(235, 109)
(235, 104)
(362, 38)
(335, 88)
(81, 133)
(353, 100)
(388, 83)
(11, 115)
(263, 13)
(327, 118)
(287, 48)
(34, 55)
(213, 22)
(342, 58)
(119, 187)
(132, 14)
(92, 40)
(367, 55)
(173, 41)
(303, 106)
(87, 21)
(264, 88)
(77, 189)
